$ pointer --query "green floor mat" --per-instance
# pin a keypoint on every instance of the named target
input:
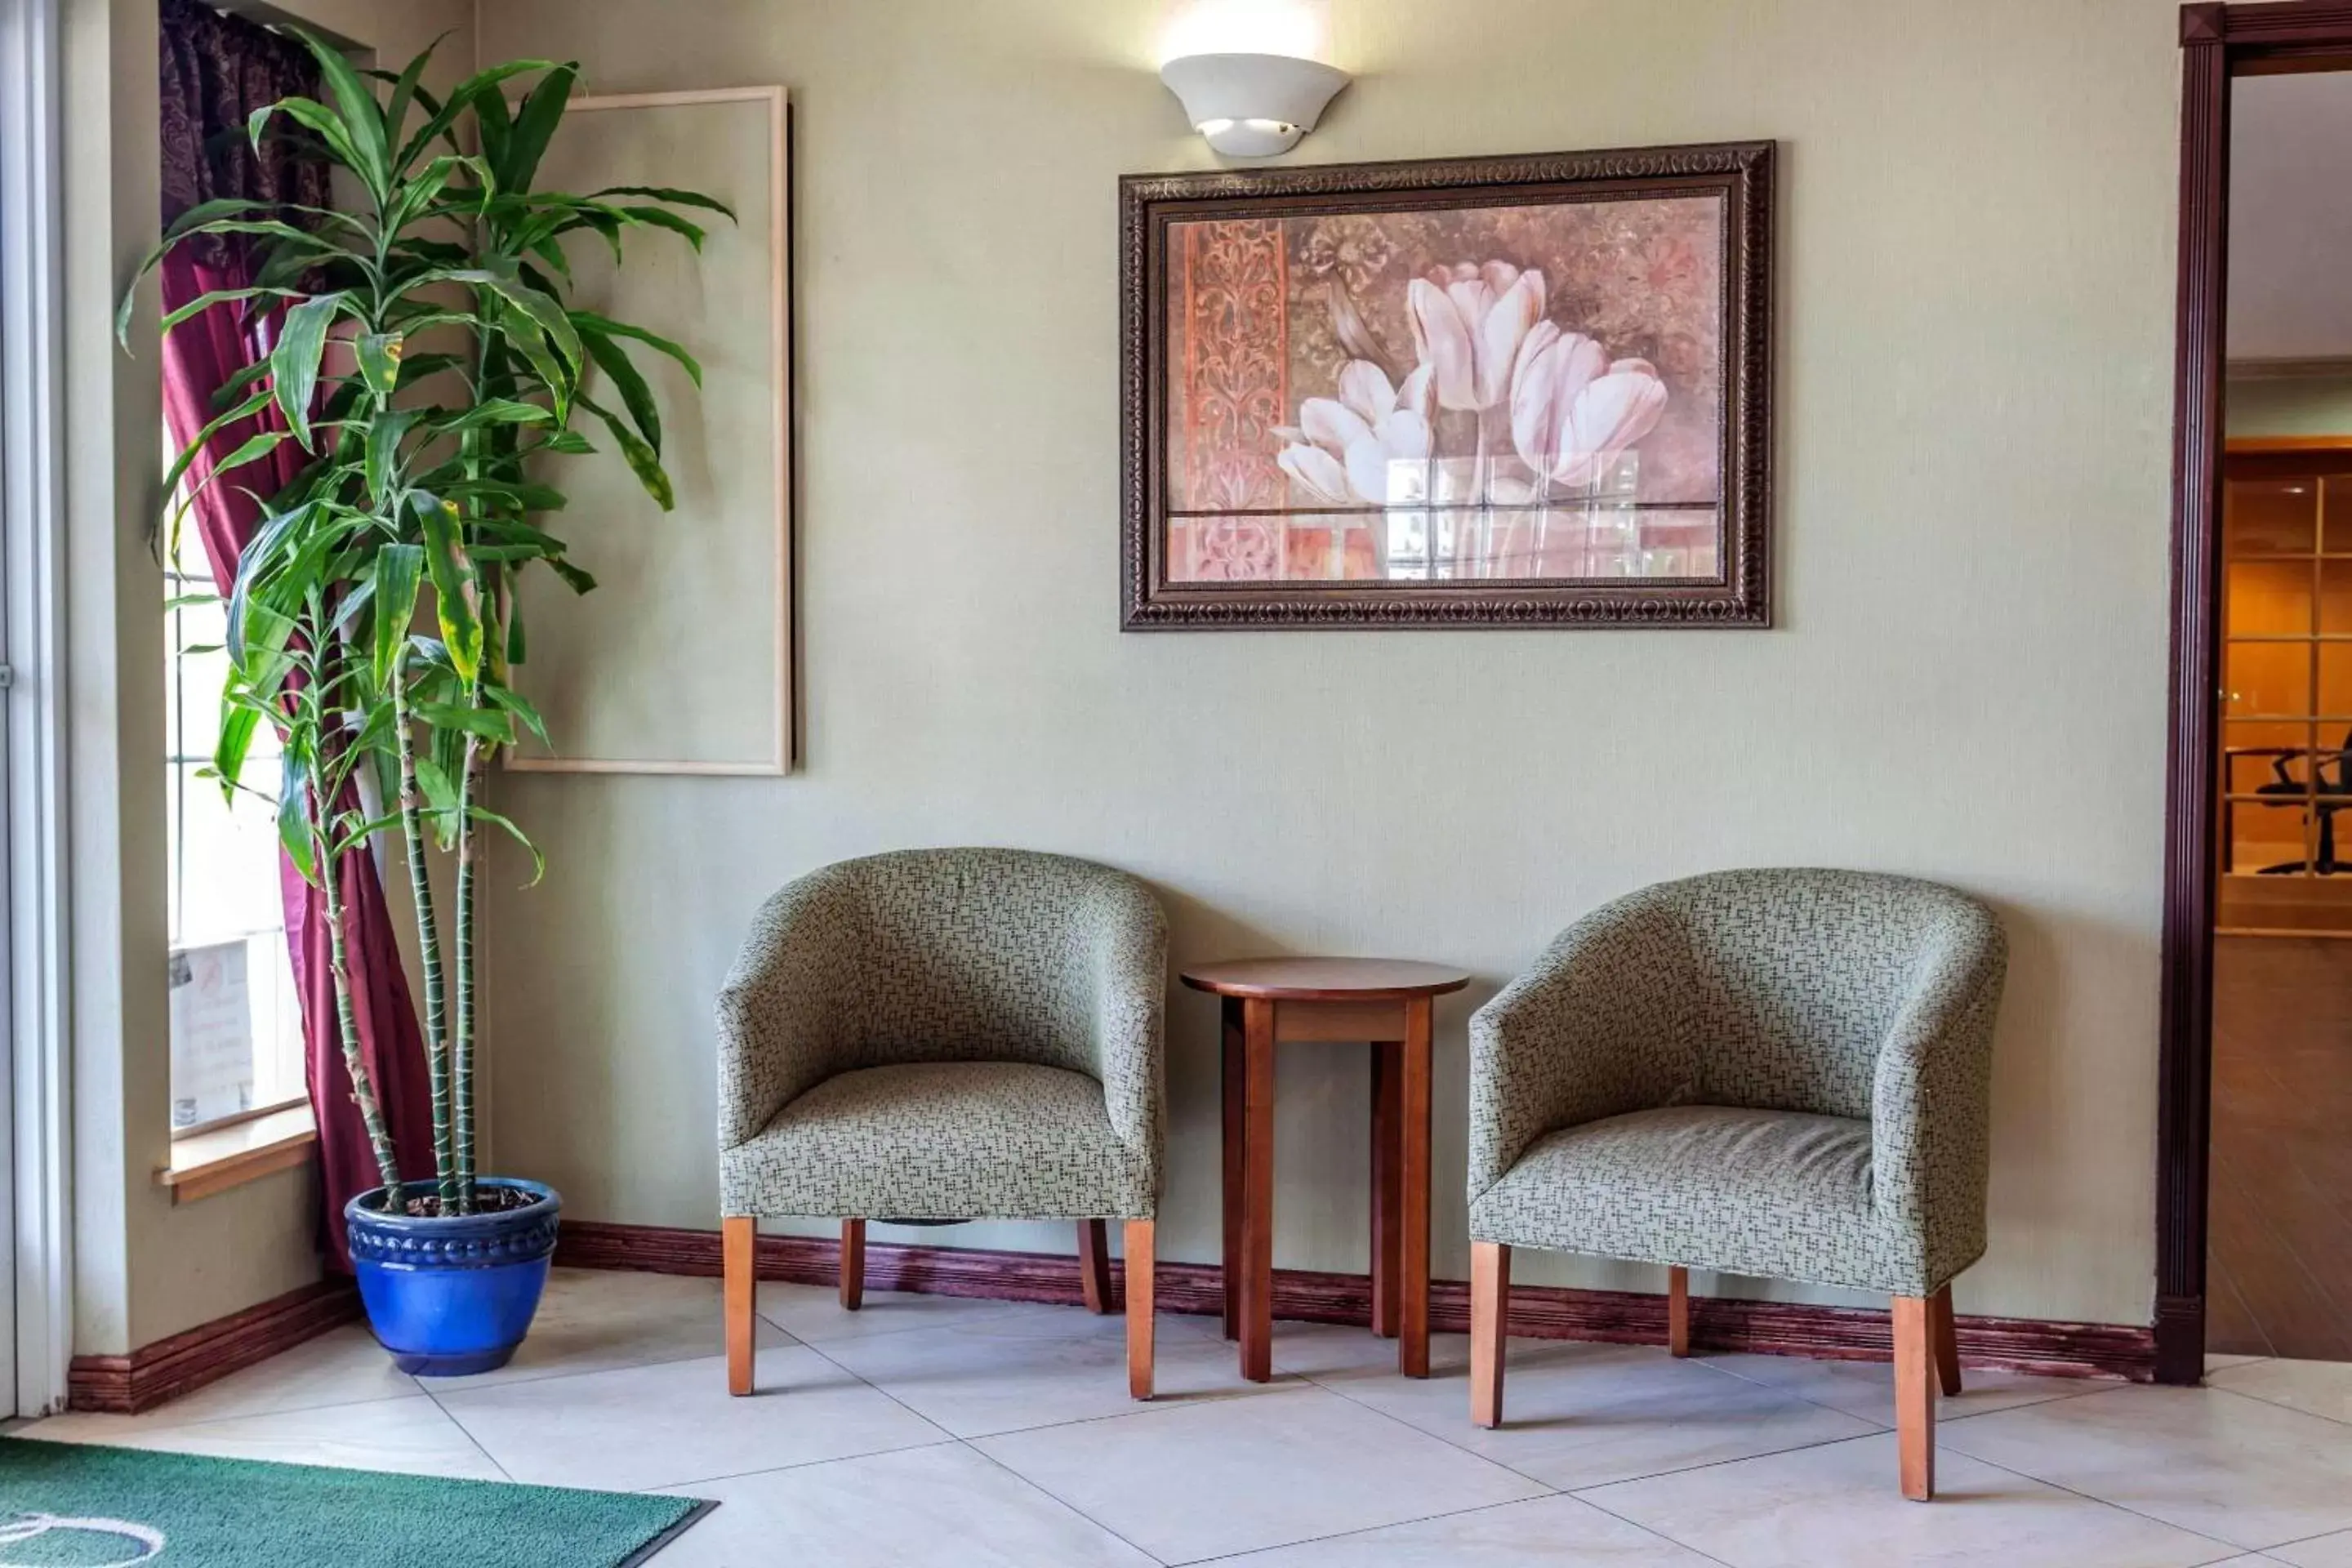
(71, 1505)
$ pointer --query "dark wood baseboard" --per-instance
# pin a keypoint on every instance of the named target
(127, 1384)
(1618, 1317)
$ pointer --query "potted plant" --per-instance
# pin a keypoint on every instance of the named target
(430, 363)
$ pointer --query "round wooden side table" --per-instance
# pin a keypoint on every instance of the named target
(1384, 1003)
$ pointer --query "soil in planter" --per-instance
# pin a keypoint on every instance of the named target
(486, 1200)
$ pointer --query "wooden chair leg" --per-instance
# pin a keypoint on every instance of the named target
(853, 1265)
(1948, 1341)
(1140, 1258)
(1915, 1398)
(1678, 1310)
(1094, 1265)
(1490, 1312)
(738, 1244)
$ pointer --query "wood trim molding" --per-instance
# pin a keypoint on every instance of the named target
(2184, 1050)
(2260, 444)
(1617, 1317)
(2217, 42)
(127, 1384)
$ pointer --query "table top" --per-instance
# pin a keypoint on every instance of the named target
(1325, 979)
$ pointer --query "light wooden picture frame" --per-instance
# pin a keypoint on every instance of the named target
(680, 662)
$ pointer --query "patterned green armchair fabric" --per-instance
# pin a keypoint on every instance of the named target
(945, 1034)
(1777, 1073)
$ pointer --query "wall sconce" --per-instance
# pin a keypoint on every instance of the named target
(1251, 106)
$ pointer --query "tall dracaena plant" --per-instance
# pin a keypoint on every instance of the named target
(428, 360)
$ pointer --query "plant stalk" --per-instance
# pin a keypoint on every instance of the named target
(428, 944)
(461, 1040)
(387, 1164)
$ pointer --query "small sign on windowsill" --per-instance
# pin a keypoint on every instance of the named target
(212, 1034)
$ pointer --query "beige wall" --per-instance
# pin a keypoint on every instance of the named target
(145, 1269)
(1974, 352)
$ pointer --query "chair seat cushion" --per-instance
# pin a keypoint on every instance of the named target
(942, 1140)
(1779, 1194)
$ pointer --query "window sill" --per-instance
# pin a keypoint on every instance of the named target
(231, 1156)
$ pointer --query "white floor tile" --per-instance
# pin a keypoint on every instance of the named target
(595, 1320)
(2238, 1469)
(2315, 1387)
(343, 1366)
(1837, 1506)
(2320, 1552)
(2216, 1360)
(943, 1507)
(1000, 1373)
(813, 1314)
(1866, 1388)
(1205, 1480)
(1582, 1414)
(410, 1435)
(1548, 1532)
(668, 1424)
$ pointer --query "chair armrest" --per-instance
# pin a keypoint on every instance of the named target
(787, 1013)
(1931, 1091)
(1129, 974)
(1597, 1027)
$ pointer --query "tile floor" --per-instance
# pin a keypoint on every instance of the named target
(927, 1432)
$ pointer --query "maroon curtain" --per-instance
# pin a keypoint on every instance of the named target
(216, 70)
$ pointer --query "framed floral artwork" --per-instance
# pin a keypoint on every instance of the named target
(1455, 392)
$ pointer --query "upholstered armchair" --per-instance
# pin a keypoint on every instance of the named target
(946, 1033)
(1777, 1073)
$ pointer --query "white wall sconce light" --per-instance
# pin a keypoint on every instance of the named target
(1247, 72)
(1252, 106)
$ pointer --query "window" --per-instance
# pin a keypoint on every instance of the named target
(237, 1021)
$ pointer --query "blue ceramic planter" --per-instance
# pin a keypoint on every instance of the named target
(448, 1297)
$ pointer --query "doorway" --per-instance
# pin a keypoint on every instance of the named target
(2254, 1234)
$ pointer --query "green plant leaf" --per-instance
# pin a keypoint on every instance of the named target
(383, 439)
(674, 196)
(379, 357)
(516, 703)
(320, 122)
(239, 723)
(294, 363)
(570, 443)
(494, 411)
(362, 116)
(489, 723)
(455, 605)
(578, 581)
(534, 124)
(206, 301)
(479, 87)
(643, 460)
(403, 92)
(589, 321)
(538, 861)
(399, 572)
(662, 217)
(294, 815)
(635, 395)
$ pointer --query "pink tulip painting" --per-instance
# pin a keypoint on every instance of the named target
(1508, 393)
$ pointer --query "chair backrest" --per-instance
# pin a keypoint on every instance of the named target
(1799, 975)
(977, 954)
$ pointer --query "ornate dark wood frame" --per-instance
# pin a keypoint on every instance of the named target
(1741, 172)
(2217, 42)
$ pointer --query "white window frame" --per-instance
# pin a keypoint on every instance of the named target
(36, 1083)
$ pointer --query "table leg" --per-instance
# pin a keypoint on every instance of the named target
(1387, 1219)
(1236, 1136)
(1257, 1196)
(1412, 1198)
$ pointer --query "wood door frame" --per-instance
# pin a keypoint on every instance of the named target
(2217, 42)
